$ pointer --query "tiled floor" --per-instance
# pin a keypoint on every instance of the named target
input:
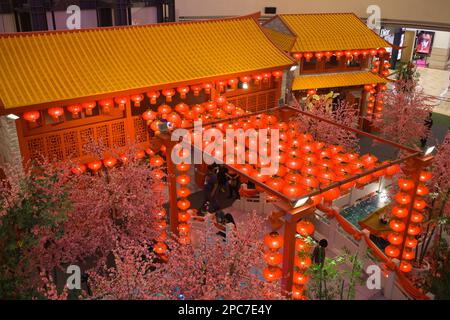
(436, 83)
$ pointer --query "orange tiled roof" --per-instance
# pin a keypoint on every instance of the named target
(331, 31)
(346, 79)
(38, 68)
(282, 40)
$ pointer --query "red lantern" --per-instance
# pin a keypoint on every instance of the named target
(297, 56)
(272, 273)
(183, 192)
(221, 100)
(74, 110)
(308, 56)
(184, 216)
(405, 267)
(339, 54)
(277, 74)
(293, 191)
(156, 161)
(273, 241)
(422, 190)
(183, 91)
(348, 54)
(425, 176)
(417, 217)
(160, 248)
(196, 89)
(207, 87)
(305, 228)
(311, 92)
(397, 225)
(110, 162)
(400, 212)
(402, 198)
(302, 261)
(300, 278)
(395, 239)
(149, 115)
(408, 255)
(419, 204)
(257, 78)
(267, 76)
(273, 258)
(183, 228)
(56, 112)
(356, 53)
(413, 230)
(276, 184)
(140, 154)
(405, 184)
(95, 165)
(106, 105)
(297, 293)
(164, 109)
(182, 167)
(183, 204)
(328, 55)
(168, 93)
(392, 251)
(174, 119)
(137, 98)
(411, 242)
(153, 96)
(183, 179)
(302, 245)
(31, 116)
(121, 101)
(373, 52)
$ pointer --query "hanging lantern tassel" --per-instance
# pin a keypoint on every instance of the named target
(106, 105)
(207, 86)
(137, 99)
(196, 89)
(31, 116)
(56, 112)
(121, 101)
(74, 110)
(153, 96)
(168, 93)
(183, 91)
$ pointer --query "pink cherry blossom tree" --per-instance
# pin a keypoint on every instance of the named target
(210, 268)
(117, 203)
(406, 110)
(51, 217)
(341, 113)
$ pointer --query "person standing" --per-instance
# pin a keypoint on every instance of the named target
(234, 185)
(210, 188)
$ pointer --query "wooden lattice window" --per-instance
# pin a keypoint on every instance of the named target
(118, 135)
(140, 130)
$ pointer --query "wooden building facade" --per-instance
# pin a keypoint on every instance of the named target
(71, 87)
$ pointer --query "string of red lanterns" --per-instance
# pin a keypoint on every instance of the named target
(272, 256)
(302, 261)
(183, 203)
(400, 235)
(349, 54)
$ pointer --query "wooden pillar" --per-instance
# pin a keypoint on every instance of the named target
(291, 218)
(171, 181)
(288, 252)
(173, 197)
